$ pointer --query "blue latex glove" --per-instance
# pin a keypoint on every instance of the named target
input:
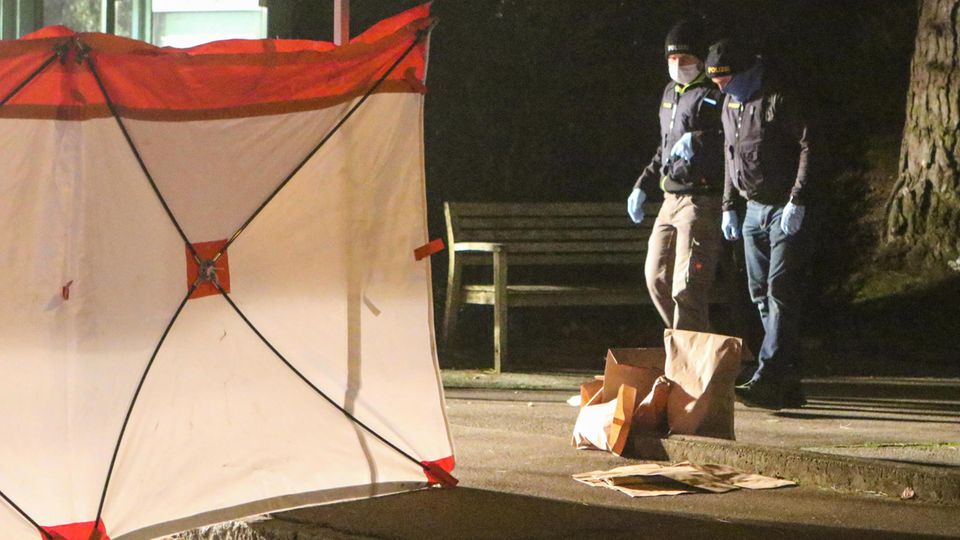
(635, 205)
(792, 218)
(730, 224)
(683, 147)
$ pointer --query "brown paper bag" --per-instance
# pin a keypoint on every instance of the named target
(606, 426)
(650, 418)
(638, 368)
(703, 368)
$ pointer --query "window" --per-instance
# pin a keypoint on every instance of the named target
(131, 19)
(19, 17)
(177, 23)
(121, 17)
(185, 23)
(80, 15)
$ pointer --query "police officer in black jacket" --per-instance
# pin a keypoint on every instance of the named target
(688, 168)
(767, 155)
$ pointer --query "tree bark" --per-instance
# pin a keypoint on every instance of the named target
(923, 214)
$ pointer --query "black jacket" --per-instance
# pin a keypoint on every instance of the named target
(695, 109)
(767, 149)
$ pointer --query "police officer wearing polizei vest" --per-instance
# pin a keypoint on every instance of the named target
(688, 168)
(767, 154)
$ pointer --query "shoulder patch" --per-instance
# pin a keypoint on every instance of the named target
(667, 105)
(710, 101)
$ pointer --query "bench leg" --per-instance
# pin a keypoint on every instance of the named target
(452, 307)
(499, 309)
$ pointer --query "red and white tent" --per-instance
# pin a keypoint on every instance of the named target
(210, 304)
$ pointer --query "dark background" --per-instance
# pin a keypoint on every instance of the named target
(557, 100)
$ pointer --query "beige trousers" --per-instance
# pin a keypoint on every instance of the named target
(682, 259)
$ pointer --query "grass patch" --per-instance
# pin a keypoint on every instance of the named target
(879, 285)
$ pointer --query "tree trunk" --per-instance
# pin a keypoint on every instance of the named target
(923, 214)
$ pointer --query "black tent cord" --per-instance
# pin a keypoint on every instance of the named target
(420, 36)
(26, 516)
(57, 54)
(136, 395)
(84, 53)
(314, 387)
(43, 66)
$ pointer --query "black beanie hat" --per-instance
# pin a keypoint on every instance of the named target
(727, 57)
(684, 38)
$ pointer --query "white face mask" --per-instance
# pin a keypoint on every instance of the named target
(684, 74)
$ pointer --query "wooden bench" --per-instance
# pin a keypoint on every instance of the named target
(506, 235)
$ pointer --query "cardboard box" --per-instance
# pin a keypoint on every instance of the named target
(638, 368)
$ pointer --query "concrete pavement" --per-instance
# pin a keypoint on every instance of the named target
(470, 513)
(515, 461)
(520, 444)
(874, 435)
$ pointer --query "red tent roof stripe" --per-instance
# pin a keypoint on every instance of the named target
(233, 78)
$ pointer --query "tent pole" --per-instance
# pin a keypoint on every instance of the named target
(421, 35)
(312, 386)
(20, 511)
(136, 396)
(84, 52)
(341, 22)
(57, 54)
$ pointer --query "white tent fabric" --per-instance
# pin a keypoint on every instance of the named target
(94, 271)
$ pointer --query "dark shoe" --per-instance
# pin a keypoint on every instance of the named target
(760, 394)
(793, 397)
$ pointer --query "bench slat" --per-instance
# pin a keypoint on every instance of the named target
(593, 223)
(569, 259)
(547, 295)
(539, 209)
(499, 235)
(551, 295)
(573, 247)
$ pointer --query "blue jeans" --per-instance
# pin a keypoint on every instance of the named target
(773, 261)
